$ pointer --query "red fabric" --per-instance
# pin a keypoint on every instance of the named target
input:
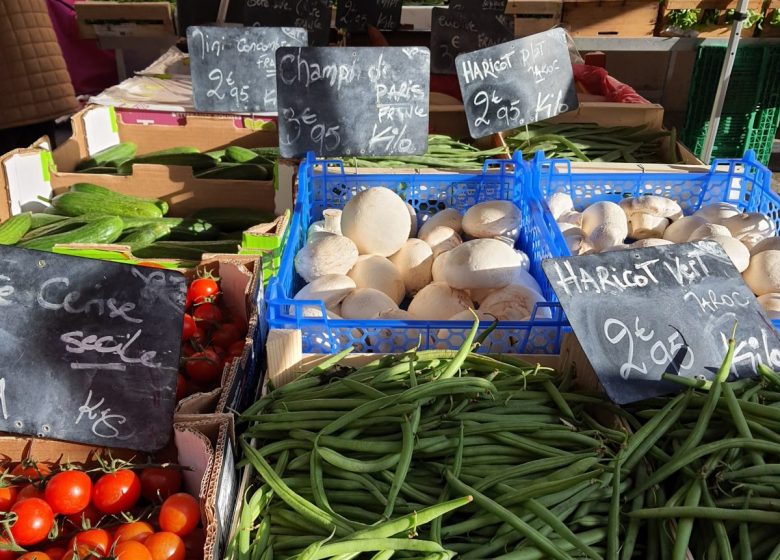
(91, 69)
(447, 84)
(598, 82)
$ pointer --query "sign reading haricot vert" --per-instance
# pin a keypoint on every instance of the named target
(640, 313)
(353, 101)
(516, 83)
(89, 349)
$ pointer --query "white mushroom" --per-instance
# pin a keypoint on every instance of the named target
(449, 217)
(314, 311)
(750, 228)
(514, 303)
(331, 223)
(331, 289)
(571, 217)
(642, 243)
(567, 227)
(709, 230)
(559, 203)
(525, 260)
(438, 267)
(600, 213)
(735, 249)
(438, 302)
(680, 230)
(771, 305)
(365, 303)
(716, 212)
(481, 263)
(646, 226)
(520, 277)
(607, 235)
(413, 218)
(333, 254)
(763, 274)
(397, 314)
(575, 240)
(377, 220)
(492, 218)
(768, 244)
(414, 261)
(652, 204)
(441, 239)
(373, 271)
(468, 315)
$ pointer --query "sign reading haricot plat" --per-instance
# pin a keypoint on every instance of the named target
(89, 349)
(640, 313)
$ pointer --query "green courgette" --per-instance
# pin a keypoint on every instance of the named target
(184, 156)
(145, 236)
(186, 249)
(79, 203)
(182, 229)
(99, 170)
(14, 228)
(110, 157)
(232, 219)
(237, 154)
(40, 219)
(237, 171)
(61, 226)
(98, 190)
(102, 230)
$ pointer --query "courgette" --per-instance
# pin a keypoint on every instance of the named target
(61, 226)
(232, 219)
(110, 157)
(39, 219)
(186, 249)
(216, 154)
(14, 228)
(182, 229)
(99, 170)
(237, 154)
(184, 156)
(98, 190)
(145, 236)
(237, 171)
(79, 203)
(102, 230)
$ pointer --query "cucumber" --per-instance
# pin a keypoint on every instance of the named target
(182, 229)
(61, 226)
(216, 154)
(185, 156)
(79, 203)
(14, 228)
(99, 170)
(110, 157)
(106, 229)
(186, 249)
(40, 219)
(238, 171)
(232, 219)
(145, 236)
(237, 154)
(97, 189)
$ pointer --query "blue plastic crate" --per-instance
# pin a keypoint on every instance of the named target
(324, 184)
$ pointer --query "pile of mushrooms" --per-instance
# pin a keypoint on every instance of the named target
(749, 239)
(367, 260)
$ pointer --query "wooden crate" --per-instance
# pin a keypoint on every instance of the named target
(774, 30)
(534, 16)
(119, 19)
(616, 18)
(721, 30)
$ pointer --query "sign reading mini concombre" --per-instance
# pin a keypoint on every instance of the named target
(89, 349)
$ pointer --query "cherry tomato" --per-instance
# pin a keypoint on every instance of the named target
(69, 492)
(165, 546)
(55, 552)
(29, 491)
(96, 540)
(133, 531)
(188, 327)
(6, 554)
(116, 492)
(179, 514)
(158, 483)
(199, 338)
(202, 290)
(225, 335)
(131, 550)
(34, 556)
(8, 496)
(194, 543)
(187, 350)
(181, 387)
(204, 367)
(235, 350)
(207, 313)
(31, 471)
(80, 553)
(85, 519)
(34, 520)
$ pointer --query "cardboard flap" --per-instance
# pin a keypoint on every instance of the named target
(195, 450)
(26, 176)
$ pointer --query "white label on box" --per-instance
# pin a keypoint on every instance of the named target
(226, 497)
(99, 129)
(26, 181)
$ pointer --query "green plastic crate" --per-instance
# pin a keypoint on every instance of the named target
(751, 112)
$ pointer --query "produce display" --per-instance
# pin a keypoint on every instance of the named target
(370, 261)
(113, 509)
(698, 18)
(748, 238)
(234, 162)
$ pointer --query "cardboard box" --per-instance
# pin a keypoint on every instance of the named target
(267, 242)
(125, 19)
(619, 18)
(534, 16)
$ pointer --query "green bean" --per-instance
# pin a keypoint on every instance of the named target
(699, 512)
(721, 535)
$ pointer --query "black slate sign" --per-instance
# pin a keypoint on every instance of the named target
(353, 101)
(234, 69)
(455, 31)
(355, 15)
(516, 83)
(639, 313)
(90, 349)
(477, 6)
(311, 15)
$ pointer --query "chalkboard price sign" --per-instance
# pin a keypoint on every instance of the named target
(477, 6)
(89, 349)
(356, 15)
(639, 313)
(234, 68)
(353, 101)
(516, 83)
(311, 15)
(455, 31)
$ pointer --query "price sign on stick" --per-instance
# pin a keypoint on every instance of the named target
(455, 31)
(89, 349)
(353, 101)
(516, 83)
(640, 313)
(311, 15)
(234, 69)
(356, 15)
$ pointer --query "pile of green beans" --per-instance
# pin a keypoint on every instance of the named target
(443, 153)
(479, 456)
(591, 142)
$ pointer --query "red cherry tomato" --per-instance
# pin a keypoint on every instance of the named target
(116, 492)
(181, 387)
(55, 552)
(198, 339)
(6, 554)
(158, 484)
(131, 550)
(34, 520)
(179, 514)
(165, 546)
(96, 540)
(207, 313)
(188, 327)
(225, 335)
(204, 367)
(8, 496)
(81, 553)
(235, 350)
(194, 543)
(69, 492)
(133, 531)
(34, 556)
(31, 471)
(202, 290)
(85, 519)
(29, 491)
